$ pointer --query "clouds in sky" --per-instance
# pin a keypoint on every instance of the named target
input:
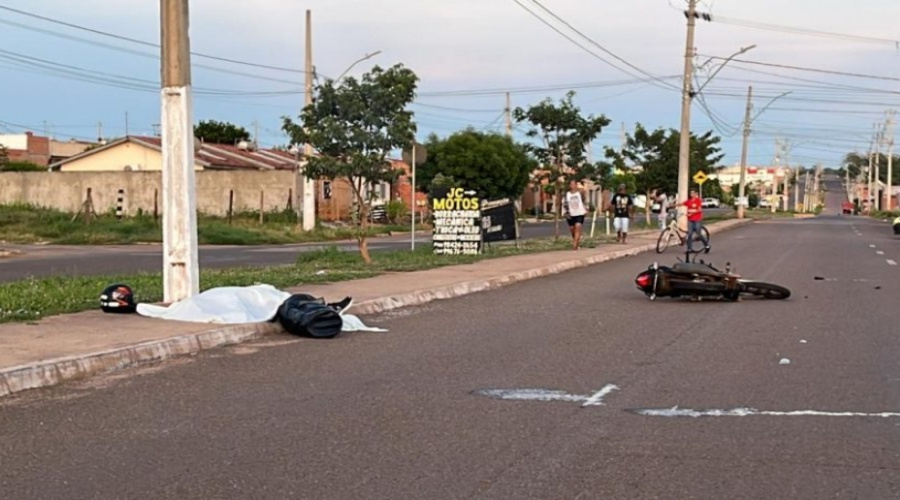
(470, 44)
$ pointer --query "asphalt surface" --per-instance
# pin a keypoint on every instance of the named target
(55, 260)
(397, 414)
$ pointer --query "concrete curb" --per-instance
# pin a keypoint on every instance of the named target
(52, 372)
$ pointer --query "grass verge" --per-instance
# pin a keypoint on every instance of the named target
(28, 224)
(32, 299)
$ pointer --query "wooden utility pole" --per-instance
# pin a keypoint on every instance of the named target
(308, 199)
(181, 276)
(687, 95)
(742, 192)
(508, 117)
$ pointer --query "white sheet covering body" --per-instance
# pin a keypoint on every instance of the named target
(234, 305)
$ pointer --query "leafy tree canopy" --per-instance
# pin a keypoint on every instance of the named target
(657, 153)
(354, 125)
(489, 163)
(216, 132)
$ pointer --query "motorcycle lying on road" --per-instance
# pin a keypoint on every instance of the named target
(687, 279)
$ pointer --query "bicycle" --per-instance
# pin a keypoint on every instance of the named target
(673, 231)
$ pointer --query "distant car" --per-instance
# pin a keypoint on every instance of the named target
(764, 203)
(711, 203)
(848, 208)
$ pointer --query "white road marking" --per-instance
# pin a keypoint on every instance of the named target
(891, 262)
(531, 394)
(747, 412)
(879, 252)
(871, 246)
(597, 398)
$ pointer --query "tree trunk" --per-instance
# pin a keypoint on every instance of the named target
(363, 222)
(648, 208)
(557, 209)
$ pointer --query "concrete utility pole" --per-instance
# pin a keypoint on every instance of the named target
(890, 161)
(787, 175)
(684, 148)
(181, 274)
(308, 186)
(869, 173)
(508, 117)
(878, 138)
(741, 188)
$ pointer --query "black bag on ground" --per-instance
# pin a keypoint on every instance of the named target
(305, 315)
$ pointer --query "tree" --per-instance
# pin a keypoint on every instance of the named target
(4, 157)
(858, 164)
(216, 132)
(656, 153)
(354, 125)
(489, 163)
(564, 135)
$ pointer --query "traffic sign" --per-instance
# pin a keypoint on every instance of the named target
(700, 177)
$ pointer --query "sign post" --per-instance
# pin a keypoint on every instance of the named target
(415, 157)
(700, 178)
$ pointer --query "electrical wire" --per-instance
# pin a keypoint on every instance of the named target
(590, 40)
(145, 43)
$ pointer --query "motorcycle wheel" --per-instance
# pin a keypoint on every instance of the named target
(766, 290)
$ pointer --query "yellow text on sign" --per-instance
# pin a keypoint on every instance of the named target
(456, 200)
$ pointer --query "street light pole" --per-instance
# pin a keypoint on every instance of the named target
(686, 97)
(741, 188)
(361, 59)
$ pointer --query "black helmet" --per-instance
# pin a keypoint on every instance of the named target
(118, 298)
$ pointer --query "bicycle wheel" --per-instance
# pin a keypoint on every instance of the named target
(766, 290)
(665, 237)
(704, 232)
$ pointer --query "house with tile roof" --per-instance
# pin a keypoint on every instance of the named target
(143, 153)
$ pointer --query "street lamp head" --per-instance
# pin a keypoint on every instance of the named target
(747, 49)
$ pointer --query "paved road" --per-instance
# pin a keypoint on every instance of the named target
(393, 415)
(40, 261)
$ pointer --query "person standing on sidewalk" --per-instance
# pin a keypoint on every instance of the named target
(695, 220)
(622, 206)
(663, 215)
(575, 208)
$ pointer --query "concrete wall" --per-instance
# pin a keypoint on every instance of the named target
(67, 190)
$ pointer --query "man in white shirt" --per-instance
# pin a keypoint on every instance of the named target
(575, 208)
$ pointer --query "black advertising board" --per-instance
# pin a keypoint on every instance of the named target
(498, 221)
(456, 213)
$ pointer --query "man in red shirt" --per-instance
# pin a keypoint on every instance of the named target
(695, 220)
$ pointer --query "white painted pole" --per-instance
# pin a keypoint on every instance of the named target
(412, 199)
(181, 276)
(308, 199)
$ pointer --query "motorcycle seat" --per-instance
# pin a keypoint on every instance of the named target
(692, 268)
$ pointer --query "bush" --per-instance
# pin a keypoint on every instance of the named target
(396, 211)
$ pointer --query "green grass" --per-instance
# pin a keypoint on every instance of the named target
(32, 299)
(28, 224)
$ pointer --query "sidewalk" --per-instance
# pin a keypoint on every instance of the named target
(72, 346)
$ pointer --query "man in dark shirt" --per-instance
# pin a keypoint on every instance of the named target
(622, 206)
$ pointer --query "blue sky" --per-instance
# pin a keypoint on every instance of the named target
(468, 45)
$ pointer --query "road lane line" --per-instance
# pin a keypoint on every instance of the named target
(597, 398)
(879, 252)
(891, 262)
(747, 412)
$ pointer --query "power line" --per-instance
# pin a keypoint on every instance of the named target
(139, 53)
(594, 43)
(812, 70)
(145, 43)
